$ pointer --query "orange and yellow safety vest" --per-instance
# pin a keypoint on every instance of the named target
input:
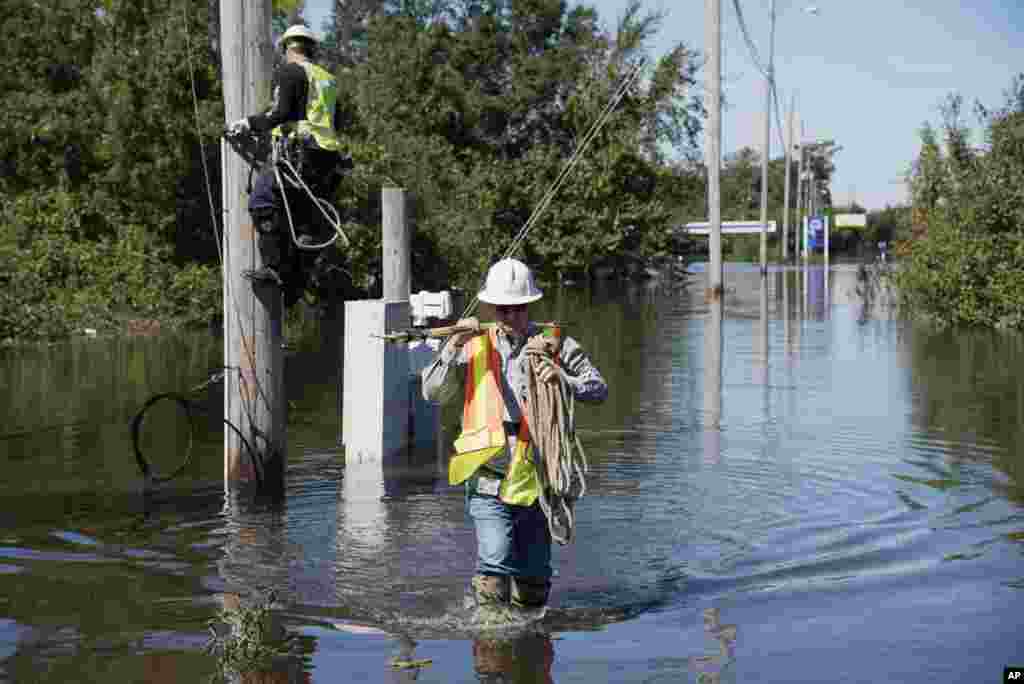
(483, 432)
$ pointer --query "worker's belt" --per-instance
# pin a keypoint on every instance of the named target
(511, 427)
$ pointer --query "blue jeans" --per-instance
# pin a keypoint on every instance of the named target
(511, 540)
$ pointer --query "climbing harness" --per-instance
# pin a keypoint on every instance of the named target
(287, 154)
(550, 413)
(326, 208)
(189, 406)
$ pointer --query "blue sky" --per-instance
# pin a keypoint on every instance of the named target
(866, 73)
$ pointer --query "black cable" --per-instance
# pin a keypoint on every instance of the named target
(136, 428)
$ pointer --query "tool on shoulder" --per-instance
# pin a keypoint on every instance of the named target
(415, 334)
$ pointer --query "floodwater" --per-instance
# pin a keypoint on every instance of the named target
(801, 489)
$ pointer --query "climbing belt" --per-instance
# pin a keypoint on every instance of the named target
(550, 413)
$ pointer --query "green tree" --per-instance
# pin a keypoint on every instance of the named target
(505, 93)
(964, 265)
(102, 132)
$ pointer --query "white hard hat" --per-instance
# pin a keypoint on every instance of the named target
(298, 31)
(510, 282)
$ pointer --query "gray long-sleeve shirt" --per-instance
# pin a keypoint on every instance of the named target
(444, 379)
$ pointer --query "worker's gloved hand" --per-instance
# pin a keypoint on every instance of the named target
(461, 338)
(547, 371)
(239, 127)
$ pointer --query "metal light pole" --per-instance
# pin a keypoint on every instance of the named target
(767, 141)
(789, 163)
(790, 146)
(801, 247)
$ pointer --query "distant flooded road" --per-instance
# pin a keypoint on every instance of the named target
(803, 489)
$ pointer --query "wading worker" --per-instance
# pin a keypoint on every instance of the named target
(303, 112)
(494, 451)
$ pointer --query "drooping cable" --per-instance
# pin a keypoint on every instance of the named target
(567, 169)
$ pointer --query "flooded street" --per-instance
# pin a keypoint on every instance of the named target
(805, 489)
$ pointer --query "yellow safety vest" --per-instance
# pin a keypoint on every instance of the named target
(321, 99)
(483, 432)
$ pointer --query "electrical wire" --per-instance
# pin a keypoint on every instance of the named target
(750, 43)
(189, 406)
(566, 170)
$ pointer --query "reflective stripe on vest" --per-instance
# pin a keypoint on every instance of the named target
(321, 99)
(483, 432)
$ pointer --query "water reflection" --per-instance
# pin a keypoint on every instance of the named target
(718, 665)
(713, 382)
(811, 463)
(523, 659)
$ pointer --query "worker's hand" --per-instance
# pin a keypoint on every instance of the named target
(547, 371)
(461, 338)
(239, 127)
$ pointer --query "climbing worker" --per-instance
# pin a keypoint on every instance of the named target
(302, 123)
(496, 452)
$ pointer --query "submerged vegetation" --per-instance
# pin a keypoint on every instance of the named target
(244, 639)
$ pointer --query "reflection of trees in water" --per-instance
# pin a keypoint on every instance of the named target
(71, 401)
(711, 668)
(874, 290)
(969, 385)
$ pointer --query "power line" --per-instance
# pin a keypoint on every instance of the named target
(756, 59)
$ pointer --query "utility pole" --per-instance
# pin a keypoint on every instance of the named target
(254, 398)
(767, 140)
(713, 34)
(788, 161)
(800, 239)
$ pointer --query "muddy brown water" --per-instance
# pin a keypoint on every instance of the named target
(816, 492)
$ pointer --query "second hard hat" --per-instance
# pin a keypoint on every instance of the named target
(510, 282)
(298, 31)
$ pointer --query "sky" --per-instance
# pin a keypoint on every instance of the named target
(867, 74)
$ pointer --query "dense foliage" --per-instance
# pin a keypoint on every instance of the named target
(504, 93)
(966, 263)
(100, 154)
(114, 109)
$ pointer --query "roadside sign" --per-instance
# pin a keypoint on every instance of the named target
(728, 227)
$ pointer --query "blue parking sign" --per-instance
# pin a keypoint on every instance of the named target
(815, 232)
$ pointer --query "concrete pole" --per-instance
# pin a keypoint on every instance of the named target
(395, 243)
(254, 398)
(766, 146)
(713, 17)
(785, 201)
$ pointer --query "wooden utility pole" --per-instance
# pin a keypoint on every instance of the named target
(713, 35)
(254, 398)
